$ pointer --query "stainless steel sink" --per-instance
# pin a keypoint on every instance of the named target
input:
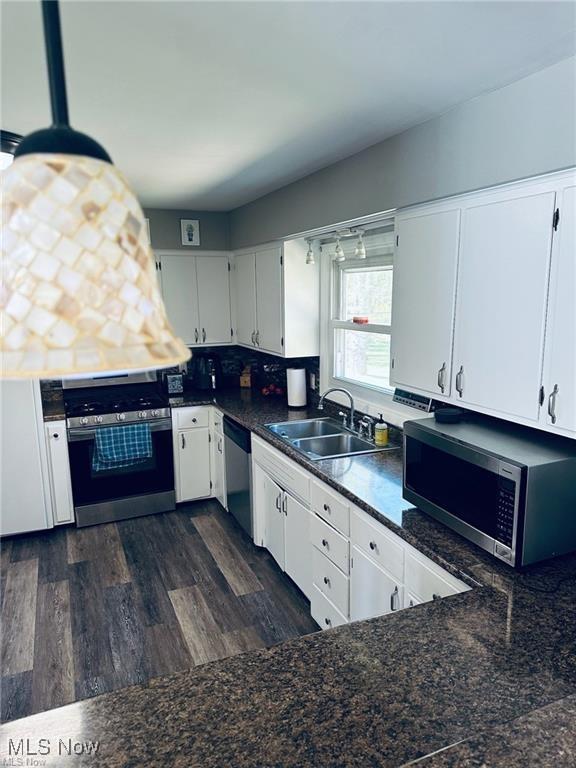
(334, 446)
(323, 439)
(293, 430)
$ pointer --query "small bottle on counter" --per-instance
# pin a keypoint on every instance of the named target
(380, 432)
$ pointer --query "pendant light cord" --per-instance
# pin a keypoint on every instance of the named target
(55, 62)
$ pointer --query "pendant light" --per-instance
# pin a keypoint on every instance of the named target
(339, 252)
(310, 259)
(360, 250)
(79, 292)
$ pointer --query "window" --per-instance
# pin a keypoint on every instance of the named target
(360, 322)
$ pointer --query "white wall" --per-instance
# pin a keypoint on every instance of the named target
(524, 129)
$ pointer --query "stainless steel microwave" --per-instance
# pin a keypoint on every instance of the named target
(509, 489)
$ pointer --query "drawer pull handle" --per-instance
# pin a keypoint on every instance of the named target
(327, 622)
(327, 508)
(372, 545)
(393, 598)
(56, 435)
(436, 596)
(326, 581)
(194, 421)
(324, 543)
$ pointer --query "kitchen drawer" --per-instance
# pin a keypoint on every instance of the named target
(330, 580)
(384, 548)
(217, 420)
(324, 612)
(428, 581)
(188, 418)
(284, 471)
(331, 506)
(330, 542)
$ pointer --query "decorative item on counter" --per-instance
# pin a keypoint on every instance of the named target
(246, 377)
(296, 385)
(360, 320)
(272, 389)
(381, 432)
(174, 383)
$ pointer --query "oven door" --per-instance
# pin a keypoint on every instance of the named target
(114, 494)
(474, 493)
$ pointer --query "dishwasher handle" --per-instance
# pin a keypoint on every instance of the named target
(238, 434)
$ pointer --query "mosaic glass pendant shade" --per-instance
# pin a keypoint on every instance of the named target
(79, 292)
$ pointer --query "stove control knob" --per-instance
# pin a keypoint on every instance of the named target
(141, 414)
(83, 420)
(98, 419)
(155, 413)
(120, 416)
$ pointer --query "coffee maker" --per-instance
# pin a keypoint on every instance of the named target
(205, 371)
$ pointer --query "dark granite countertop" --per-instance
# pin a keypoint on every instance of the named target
(483, 678)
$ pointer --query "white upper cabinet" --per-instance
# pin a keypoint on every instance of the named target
(425, 265)
(213, 281)
(277, 298)
(196, 292)
(501, 300)
(246, 299)
(269, 330)
(560, 361)
(179, 290)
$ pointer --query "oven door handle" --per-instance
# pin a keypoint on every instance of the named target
(88, 433)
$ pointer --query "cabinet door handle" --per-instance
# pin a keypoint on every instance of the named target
(220, 446)
(253, 337)
(285, 504)
(257, 338)
(441, 376)
(372, 545)
(196, 335)
(436, 596)
(393, 598)
(459, 376)
(203, 335)
(278, 502)
(183, 440)
(324, 543)
(194, 420)
(327, 508)
(326, 581)
(552, 404)
(327, 622)
(56, 435)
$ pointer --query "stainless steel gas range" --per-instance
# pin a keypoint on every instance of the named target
(125, 487)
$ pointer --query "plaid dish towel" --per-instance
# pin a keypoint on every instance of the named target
(121, 446)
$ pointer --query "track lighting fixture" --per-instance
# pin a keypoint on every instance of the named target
(360, 250)
(339, 252)
(310, 254)
(80, 294)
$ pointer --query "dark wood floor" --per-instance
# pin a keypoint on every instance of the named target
(92, 610)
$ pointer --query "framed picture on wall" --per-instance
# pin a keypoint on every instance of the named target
(190, 231)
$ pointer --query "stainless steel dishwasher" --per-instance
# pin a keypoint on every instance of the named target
(237, 450)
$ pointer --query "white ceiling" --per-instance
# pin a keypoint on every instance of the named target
(208, 105)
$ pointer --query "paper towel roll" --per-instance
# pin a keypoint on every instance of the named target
(296, 387)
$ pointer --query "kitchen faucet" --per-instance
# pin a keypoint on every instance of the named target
(345, 392)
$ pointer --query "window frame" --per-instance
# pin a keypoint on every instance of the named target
(369, 398)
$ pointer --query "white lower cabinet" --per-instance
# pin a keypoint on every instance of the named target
(274, 520)
(373, 591)
(218, 460)
(191, 442)
(298, 563)
(349, 565)
(324, 612)
(59, 473)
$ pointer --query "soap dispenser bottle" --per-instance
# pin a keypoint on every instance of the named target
(381, 433)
